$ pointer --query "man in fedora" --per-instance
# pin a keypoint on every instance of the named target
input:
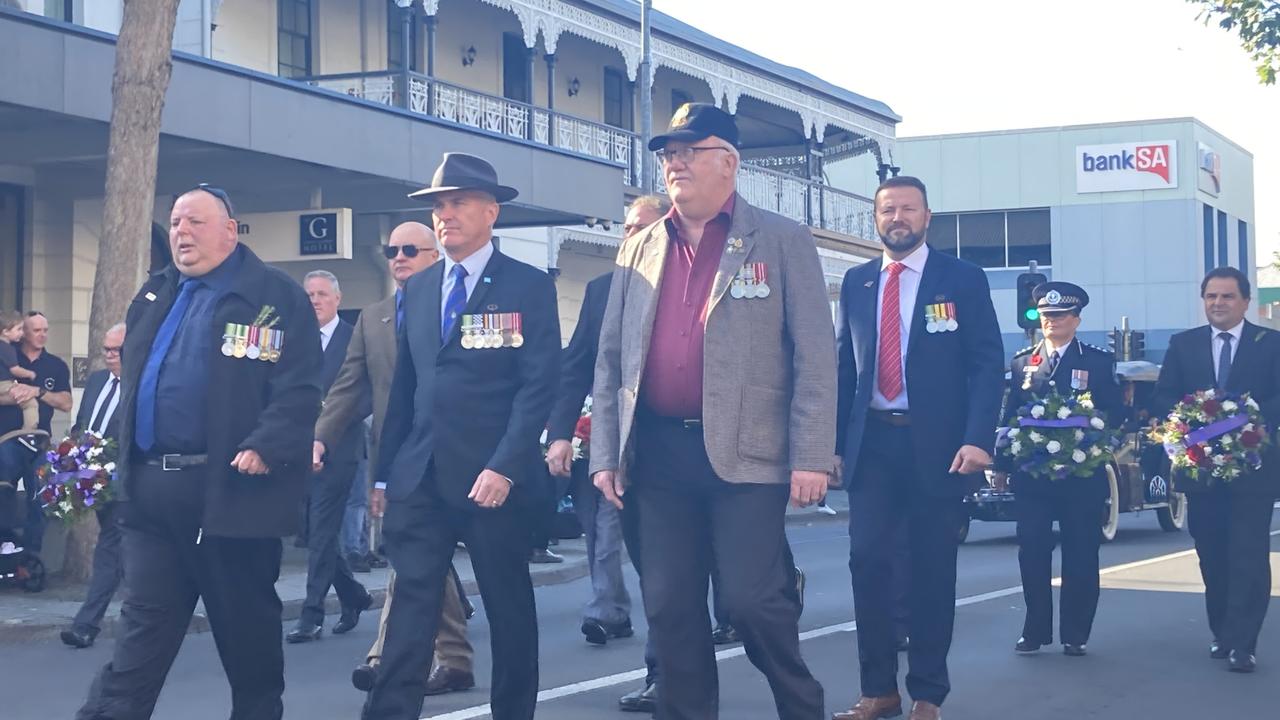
(475, 378)
(712, 407)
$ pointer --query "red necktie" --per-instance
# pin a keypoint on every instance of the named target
(889, 370)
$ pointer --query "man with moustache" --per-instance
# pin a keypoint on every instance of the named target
(476, 375)
(366, 374)
(920, 373)
(1230, 521)
(712, 407)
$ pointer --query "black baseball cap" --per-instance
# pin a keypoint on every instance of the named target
(697, 121)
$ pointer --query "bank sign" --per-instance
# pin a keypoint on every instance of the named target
(1150, 165)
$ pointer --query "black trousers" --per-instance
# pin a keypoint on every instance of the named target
(421, 533)
(1233, 541)
(691, 521)
(167, 567)
(1078, 511)
(108, 570)
(631, 539)
(884, 497)
(326, 504)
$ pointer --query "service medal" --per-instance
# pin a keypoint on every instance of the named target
(952, 324)
(252, 351)
(737, 291)
(930, 316)
(762, 291)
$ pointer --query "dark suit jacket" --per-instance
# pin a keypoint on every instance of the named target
(347, 449)
(267, 407)
(468, 410)
(1099, 379)
(578, 363)
(1255, 369)
(92, 387)
(953, 379)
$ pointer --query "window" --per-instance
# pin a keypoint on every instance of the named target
(1242, 237)
(1222, 239)
(395, 38)
(58, 9)
(1208, 239)
(995, 239)
(293, 38)
(516, 83)
(617, 100)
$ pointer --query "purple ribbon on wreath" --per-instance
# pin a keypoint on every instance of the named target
(1208, 432)
(1078, 421)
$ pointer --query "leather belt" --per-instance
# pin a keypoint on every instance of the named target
(896, 418)
(686, 423)
(174, 461)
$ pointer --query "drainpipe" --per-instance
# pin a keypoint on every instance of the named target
(646, 98)
(206, 28)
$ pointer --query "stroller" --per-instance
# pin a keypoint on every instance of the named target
(18, 566)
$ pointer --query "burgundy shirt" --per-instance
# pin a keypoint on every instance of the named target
(672, 382)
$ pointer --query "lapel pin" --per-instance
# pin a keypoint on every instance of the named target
(869, 283)
(491, 308)
(940, 298)
(386, 319)
(151, 297)
(487, 280)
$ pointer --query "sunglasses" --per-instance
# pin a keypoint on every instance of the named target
(410, 251)
(214, 191)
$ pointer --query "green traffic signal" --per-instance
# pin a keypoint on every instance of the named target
(1032, 314)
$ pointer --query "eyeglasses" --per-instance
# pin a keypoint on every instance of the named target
(685, 154)
(410, 251)
(214, 191)
(112, 349)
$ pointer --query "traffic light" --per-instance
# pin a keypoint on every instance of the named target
(1115, 342)
(1137, 345)
(1028, 314)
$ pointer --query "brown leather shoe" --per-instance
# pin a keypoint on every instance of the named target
(446, 679)
(921, 710)
(872, 708)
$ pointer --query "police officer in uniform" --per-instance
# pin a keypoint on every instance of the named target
(1060, 363)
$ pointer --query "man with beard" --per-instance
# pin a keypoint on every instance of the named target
(920, 376)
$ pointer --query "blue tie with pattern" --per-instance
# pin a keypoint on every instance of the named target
(455, 303)
(145, 424)
(399, 307)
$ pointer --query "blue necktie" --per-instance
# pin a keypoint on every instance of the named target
(1224, 360)
(455, 303)
(399, 308)
(145, 425)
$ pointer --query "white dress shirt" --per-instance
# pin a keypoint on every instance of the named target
(908, 287)
(326, 332)
(112, 383)
(1216, 342)
(474, 264)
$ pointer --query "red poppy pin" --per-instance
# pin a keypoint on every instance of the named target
(1036, 360)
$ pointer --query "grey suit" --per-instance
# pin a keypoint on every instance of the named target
(712, 491)
(108, 569)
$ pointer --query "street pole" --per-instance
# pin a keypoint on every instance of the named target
(646, 98)
(1031, 268)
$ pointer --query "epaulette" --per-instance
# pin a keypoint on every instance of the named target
(1025, 351)
(1095, 348)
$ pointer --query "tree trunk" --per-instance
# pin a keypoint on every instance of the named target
(143, 68)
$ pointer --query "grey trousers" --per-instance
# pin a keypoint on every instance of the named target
(108, 571)
(602, 522)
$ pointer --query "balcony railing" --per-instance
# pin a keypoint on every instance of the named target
(438, 99)
(807, 202)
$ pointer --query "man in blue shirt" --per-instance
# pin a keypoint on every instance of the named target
(221, 379)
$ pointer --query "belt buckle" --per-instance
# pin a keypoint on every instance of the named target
(164, 462)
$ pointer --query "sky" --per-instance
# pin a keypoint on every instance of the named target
(949, 66)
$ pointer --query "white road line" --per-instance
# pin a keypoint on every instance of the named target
(480, 711)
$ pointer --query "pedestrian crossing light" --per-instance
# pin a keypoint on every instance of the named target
(1028, 313)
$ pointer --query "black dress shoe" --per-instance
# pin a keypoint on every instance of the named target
(645, 700)
(800, 582)
(364, 676)
(446, 680)
(543, 556)
(1073, 650)
(357, 563)
(351, 615)
(79, 637)
(375, 560)
(1242, 662)
(724, 635)
(304, 632)
(1025, 646)
(1218, 651)
(598, 633)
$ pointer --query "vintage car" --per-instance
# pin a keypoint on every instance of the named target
(1138, 478)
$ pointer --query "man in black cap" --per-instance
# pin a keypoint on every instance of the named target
(1064, 365)
(475, 379)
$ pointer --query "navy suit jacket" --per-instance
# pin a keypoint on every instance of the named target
(1255, 369)
(346, 450)
(92, 387)
(579, 360)
(467, 410)
(954, 380)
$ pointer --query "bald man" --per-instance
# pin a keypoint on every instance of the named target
(363, 386)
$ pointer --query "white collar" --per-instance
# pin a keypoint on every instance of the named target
(1048, 347)
(474, 263)
(915, 261)
(328, 328)
(1234, 332)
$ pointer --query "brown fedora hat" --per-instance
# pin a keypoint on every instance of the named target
(460, 171)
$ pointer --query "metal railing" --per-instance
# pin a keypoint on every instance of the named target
(462, 106)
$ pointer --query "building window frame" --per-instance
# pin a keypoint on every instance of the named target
(287, 35)
(517, 84)
(619, 113)
(1207, 237)
(1242, 239)
(955, 243)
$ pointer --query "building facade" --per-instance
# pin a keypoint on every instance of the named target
(1134, 212)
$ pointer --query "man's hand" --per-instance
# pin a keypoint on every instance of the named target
(317, 456)
(22, 393)
(606, 481)
(249, 463)
(490, 490)
(807, 487)
(378, 502)
(560, 458)
(970, 459)
(1000, 481)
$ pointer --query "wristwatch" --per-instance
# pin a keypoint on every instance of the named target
(42, 392)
